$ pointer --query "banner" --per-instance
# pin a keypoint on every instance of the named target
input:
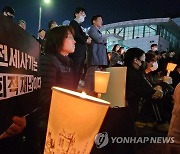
(19, 80)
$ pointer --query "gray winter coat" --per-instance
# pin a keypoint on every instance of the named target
(97, 54)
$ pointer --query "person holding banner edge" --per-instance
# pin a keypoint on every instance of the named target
(19, 123)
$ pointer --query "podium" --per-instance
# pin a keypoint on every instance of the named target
(115, 93)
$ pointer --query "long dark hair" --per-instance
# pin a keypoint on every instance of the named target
(114, 48)
(131, 54)
(55, 38)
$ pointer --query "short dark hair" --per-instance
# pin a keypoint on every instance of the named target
(9, 9)
(150, 57)
(121, 48)
(95, 18)
(41, 30)
(162, 52)
(79, 9)
(50, 23)
(21, 21)
(153, 45)
(131, 54)
(55, 38)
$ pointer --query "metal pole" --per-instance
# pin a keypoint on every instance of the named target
(40, 12)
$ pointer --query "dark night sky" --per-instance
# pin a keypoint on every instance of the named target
(111, 10)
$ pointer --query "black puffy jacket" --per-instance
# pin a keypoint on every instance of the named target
(55, 70)
(137, 87)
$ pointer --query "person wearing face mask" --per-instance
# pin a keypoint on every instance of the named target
(162, 108)
(79, 56)
(137, 86)
(8, 11)
(151, 73)
(151, 66)
(155, 66)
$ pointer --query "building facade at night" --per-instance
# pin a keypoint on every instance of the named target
(142, 33)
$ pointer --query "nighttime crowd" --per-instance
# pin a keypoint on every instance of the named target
(69, 58)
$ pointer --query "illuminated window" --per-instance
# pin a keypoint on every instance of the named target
(168, 36)
(150, 30)
(138, 31)
(128, 33)
(103, 32)
(120, 31)
(111, 31)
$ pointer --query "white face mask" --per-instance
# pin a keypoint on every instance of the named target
(154, 67)
(155, 49)
(81, 19)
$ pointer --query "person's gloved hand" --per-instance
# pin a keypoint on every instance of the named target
(19, 123)
(158, 87)
(158, 93)
(167, 79)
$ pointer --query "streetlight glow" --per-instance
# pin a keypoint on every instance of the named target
(40, 12)
(47, 1)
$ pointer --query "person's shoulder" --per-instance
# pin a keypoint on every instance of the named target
(48, 58)
(93, 28)
(50, 61)
(149, 51)
(133, 72)
(73, 22)
(116, 53)
(113, 53)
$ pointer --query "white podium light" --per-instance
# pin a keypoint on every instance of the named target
(101, 82)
